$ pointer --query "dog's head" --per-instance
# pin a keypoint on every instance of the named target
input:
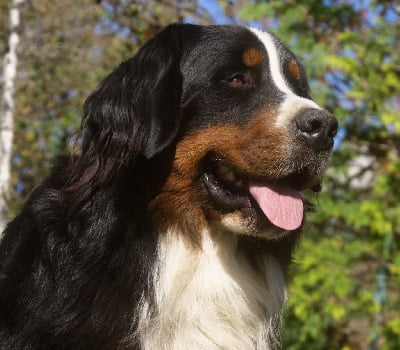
(233, 105)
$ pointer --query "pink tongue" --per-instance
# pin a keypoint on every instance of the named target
(282, 206)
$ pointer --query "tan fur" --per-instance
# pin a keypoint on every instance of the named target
(252, 57)
(294, 69)
(256, 150)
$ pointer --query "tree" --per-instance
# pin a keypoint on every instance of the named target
(7, 108)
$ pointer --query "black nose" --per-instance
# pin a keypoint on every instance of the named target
(317, 127)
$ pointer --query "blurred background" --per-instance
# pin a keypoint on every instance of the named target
(345, 288)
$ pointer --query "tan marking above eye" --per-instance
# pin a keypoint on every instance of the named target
(252, 57)
(294, 69)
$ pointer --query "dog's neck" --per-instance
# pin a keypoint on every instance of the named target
(213, 297)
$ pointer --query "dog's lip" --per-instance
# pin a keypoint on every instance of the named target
(225, 198)
(229, 189)
(220, 170)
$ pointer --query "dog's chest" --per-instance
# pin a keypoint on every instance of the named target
(211, 298)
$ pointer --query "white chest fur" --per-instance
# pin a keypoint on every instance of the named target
(212, 298)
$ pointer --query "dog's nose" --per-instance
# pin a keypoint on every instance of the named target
(318, 127)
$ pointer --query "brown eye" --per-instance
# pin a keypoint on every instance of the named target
(238, 80)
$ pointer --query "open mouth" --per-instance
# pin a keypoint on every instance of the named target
(280, 201)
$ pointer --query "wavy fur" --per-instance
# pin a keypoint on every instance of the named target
(124, 246)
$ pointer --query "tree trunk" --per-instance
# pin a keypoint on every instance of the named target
(6, 109)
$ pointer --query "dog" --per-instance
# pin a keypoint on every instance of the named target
(174, 226)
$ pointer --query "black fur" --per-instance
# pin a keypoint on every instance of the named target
(76, 261)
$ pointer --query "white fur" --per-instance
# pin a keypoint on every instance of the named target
(211, 298)
(290, 107)
(293, 103)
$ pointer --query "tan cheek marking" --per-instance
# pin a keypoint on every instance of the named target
(254, 149)
(294, 69)
(252, 57)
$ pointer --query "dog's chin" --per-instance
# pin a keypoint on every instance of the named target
(245, 224)
(258, 206)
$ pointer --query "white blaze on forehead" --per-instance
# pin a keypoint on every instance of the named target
(292, 103)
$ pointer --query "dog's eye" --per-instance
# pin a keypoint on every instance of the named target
(238, 80)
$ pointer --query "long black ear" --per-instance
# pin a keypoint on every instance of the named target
(134, 112)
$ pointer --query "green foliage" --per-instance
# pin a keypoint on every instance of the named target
(326, 291)
(55, 75)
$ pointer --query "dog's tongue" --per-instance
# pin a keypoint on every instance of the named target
(281, 205)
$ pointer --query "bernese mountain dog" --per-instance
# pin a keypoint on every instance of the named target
(174, 225)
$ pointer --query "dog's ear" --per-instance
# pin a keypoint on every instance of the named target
(134, 112)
